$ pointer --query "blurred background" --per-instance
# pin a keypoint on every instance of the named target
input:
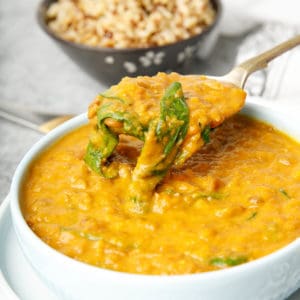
(38, 80)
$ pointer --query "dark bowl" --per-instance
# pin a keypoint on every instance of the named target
(109, 64)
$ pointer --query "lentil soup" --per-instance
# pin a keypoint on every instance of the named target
(236, 199)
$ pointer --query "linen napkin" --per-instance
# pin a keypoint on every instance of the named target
(266, 23)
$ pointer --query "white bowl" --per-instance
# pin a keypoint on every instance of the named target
(272, 277)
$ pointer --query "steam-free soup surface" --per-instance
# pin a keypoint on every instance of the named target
(171, 114)
(236, 199)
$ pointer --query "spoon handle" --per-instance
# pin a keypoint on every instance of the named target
(43, 127)
(240, 73)
(18, 120)
(51, 124)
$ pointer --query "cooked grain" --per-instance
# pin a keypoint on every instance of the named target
(130, 23)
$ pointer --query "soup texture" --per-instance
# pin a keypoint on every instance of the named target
(171, 114)
(235, 200)
(154, 185)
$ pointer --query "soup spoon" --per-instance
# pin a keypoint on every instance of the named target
(237, 76)
(45, 127)
(240, 73)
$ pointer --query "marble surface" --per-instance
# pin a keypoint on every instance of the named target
(35, 75)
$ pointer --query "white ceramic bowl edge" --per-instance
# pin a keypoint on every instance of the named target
(273, 277)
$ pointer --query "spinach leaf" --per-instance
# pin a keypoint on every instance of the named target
(253, 215)
(162, 138)
(162, 142)
(213, 195)
(105, 139)
(174, 117)
(107, 96)
(131, 124)
(96, 155)
(228, 261)
(205, 134)
(284, 193)
(82, 234)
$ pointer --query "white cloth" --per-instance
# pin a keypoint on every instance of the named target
(239, 16)
(265, 23)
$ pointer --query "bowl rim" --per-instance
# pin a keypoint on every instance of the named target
(84, 268)
(40, 15)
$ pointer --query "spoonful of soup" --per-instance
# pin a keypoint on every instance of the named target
(171, 114)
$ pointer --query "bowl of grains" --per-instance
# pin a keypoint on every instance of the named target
(111, 39)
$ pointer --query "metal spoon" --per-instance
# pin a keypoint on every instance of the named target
(237, 76)
(44, 127)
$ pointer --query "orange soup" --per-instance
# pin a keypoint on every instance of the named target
(235, 200)
(156, 185)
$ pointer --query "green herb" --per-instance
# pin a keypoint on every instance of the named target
(90, 236)
(173, 123)
(170, 191)
(205, 134)
(83, 234)
(97, 153)
(213, 195)
(164, 137)
(131, 124)
(160, 173)
(253, 215)
(284, 193)
(112, 97)
(228, 262)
